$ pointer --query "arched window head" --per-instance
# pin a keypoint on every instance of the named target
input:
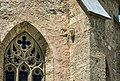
(25, 55)
(37, 74)
(23, 72)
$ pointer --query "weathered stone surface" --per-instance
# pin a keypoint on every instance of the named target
(80, 48)
(49, 17)
(79, 44)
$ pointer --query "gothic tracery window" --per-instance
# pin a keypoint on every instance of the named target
(23, 60)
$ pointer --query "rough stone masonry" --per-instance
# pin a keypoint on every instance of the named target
(78, 46)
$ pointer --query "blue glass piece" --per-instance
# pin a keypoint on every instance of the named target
(28, 43)
(23, 47)
(23, 76)
(24, 38)
(19, 41)
(36, 78)
(95, 7)
(24, 42)
(9, 76)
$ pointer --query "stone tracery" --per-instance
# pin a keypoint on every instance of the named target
(24, 54)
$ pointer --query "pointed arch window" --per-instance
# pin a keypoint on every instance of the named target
(23, 60)
(10, 73)
(37, 75)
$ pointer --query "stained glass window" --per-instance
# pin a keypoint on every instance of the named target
(25, 55)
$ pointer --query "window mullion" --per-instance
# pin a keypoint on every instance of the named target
(30, 76)
(17, 74)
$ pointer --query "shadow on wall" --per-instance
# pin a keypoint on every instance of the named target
(97, 37)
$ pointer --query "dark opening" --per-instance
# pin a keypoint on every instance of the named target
(23, 76)
(9, 76)
(24, 38)
(108, 78)
(37, 78)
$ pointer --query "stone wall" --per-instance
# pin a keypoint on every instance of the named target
(79, 44)
(80, 47)
(105, 44)
(112, 38)
(97, 49)
(50, 18)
